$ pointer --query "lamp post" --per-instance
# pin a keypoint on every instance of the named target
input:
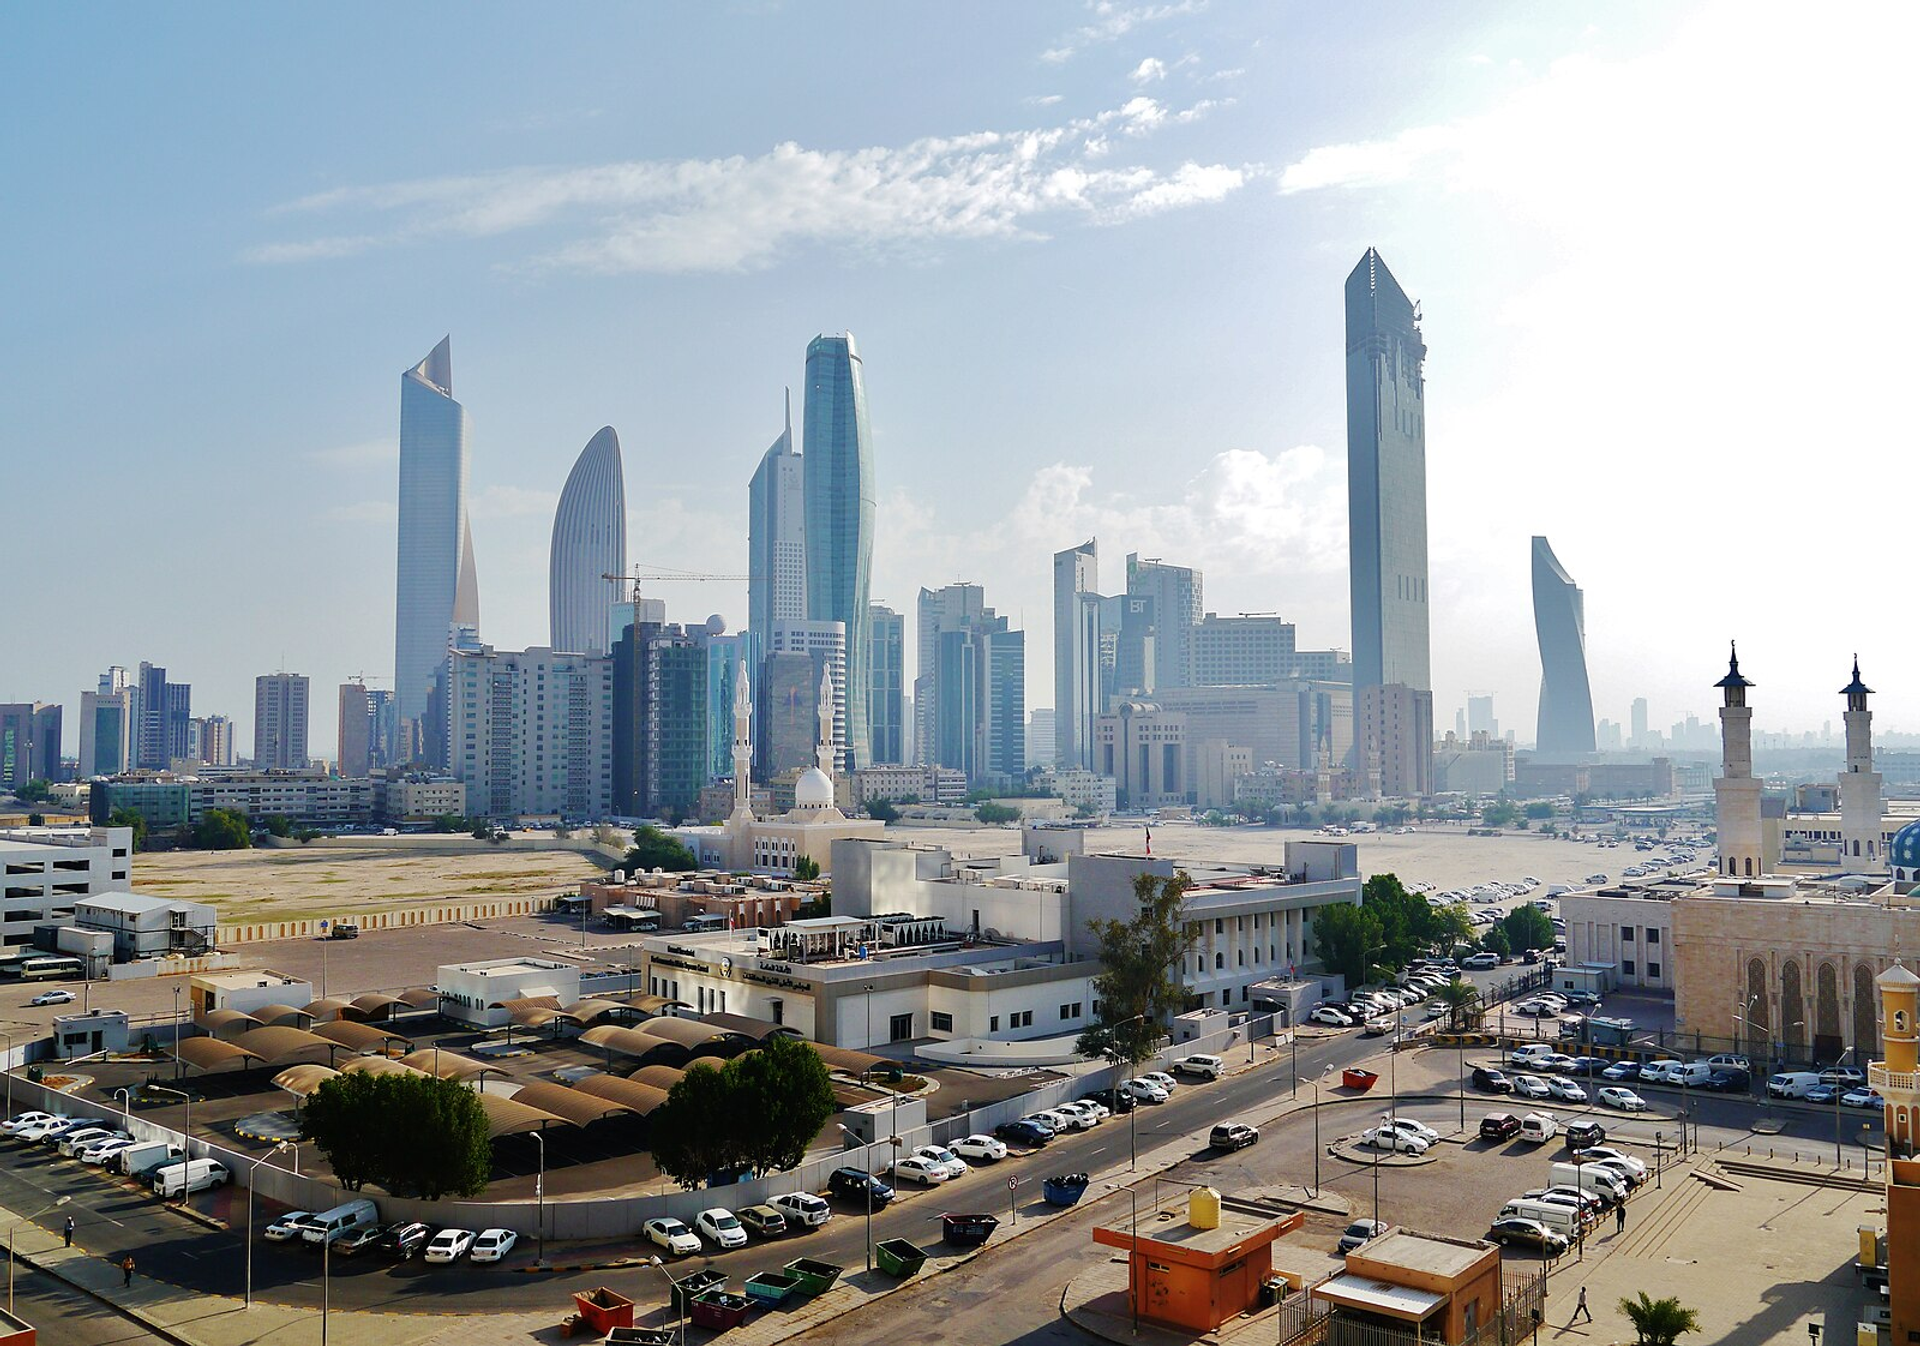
(1133, 1137)
(126, 1106)
(869, 1186)
(1315, 1086)
(674, 1297)
(186, 1128)
(1133, 1252)
(13, 1229)
(540, 1201)
(1836, 1106)
(9, 1038)
(251, 1171)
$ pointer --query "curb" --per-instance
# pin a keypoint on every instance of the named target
(132, 1315)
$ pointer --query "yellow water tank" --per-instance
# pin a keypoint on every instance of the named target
(1203, 1208)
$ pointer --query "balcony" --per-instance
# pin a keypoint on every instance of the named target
(1884, 1081)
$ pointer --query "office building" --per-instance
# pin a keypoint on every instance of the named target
(106, 732)
(726, 654)
(1479, 765)
(660, 758)
(1039, 737)
(1076, 652)
(29, 743)
(954, 607)
(280, 722)
(785, 712)
(1144, 749)
(532, 732)
(776, 536)
(436, 586)
(1638, 719)
(162, 710)
(1480, 715)
(840, 501)
(589, 543)
(49, 869)
(886, 686)
(310, 798)
(826, 645)
(1290, 724)
(1565, 727)
(1130, 646)
(1179, 600)
(1393, 745)
(1004, 706)
(1386, 480)
(1242, 651)
(354, 754)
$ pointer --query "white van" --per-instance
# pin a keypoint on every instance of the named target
(1692, 1075)
(1538, 1127)
(1562, 1220)
(1792, 1084)
(1603, 1182)
(193, 1175)
(342, 1220)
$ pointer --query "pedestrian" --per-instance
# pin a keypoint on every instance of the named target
(1620, 1218)
(126, 1273)
(1578, 1309)
(69, 1231)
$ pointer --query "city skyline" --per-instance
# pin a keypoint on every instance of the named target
(1214, 445)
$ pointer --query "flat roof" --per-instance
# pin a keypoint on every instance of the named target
(132, 904)
(1170, 1226)
(1363, 1292)
(508, 967)
(246, 981)
(1426, 1252)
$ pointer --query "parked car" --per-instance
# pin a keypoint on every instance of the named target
(492, 1245)
(923, 1171)
(1144, 1091)
(1480, 962)
(950, 1163)
(450, 1245)
(1518, 1232)
(1081, 1116)
(1200, 1067)
(1491, 1081)
(1581, 1134)
(1059, 1122)
(52, 998)
(1821, 1093)
(1621, 1070)
(1029, 1134)
(1728, 1082)
(1530, 1086)
(1585, 1065)
(1386, 1138)
(101, 1151)
(78, 1138)
(665, 1232)
(1566, 1089)
(1656, 1072)
(1862, 1098)
(14, 1125)
(762, 1221)
(1538, 1127)
(1849, 1076)
(355, 1242)
(858, 1184)
(718, 1223)
(980, 1149)
(1161, 1080)
(1499, 1126)
(802, 1210)
(1362, 1231)
(1333, 1018)
(1116, 1101)
(403, 1240)
(287, 1228)
(1608, 1154)
(1614, 1096)
(1232, 1136)
(1730, 1061)
(1408, 1124)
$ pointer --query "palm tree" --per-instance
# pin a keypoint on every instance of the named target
(1462, 1000)
(1659, 1322)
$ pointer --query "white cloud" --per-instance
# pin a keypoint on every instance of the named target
(1112, 21)
(364, 511)
(1044, 99)
(1150, 71)
(740, 213)
(368, 453)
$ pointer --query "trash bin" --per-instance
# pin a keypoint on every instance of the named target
(1272, 1290)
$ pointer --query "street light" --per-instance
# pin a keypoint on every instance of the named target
(1315, 1086)
(540, 1201)
(1133, 1139)
(13, 1229)
(1133, 1252)
(126, 1106)
(674, 1298)
(186, 1135)
(251, 1171)
(869, 1186)
(1837, 1091)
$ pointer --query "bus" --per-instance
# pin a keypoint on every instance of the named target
(704, 923)
(46, 969)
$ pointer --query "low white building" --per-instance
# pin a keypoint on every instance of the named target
(474, 992)
(422, 797)
(148, 927)
(1629, 928)
(246, 991)
(46, 870)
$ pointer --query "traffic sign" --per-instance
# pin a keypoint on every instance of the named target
(1012, 1183)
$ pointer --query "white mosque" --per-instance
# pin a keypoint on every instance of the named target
(776, 845)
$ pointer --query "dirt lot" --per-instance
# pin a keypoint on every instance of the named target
(295, 884)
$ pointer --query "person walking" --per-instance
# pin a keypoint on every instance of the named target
(126, 1273)
(69, 1231)
(1578, 1309)
(1620, 1219)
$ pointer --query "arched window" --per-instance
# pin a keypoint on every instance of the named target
(1793, 1013)
(1826, 1018)
(1758, 1035)
(1866, 1017)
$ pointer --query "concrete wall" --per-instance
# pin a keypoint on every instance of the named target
(448, 913)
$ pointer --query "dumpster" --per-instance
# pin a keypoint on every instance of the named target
(639, 1336)
(969, 1231)
(720, 1309)
(1272, 1290)
(897, 1257)
(602, 1309)
(695, 1283)
(1065, 1189)
(767, 1288)
(1356, 1078)
(816, 1278)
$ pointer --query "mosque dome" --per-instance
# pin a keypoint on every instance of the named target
(814, 790)
(1903, 852)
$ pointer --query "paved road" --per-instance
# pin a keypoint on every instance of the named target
(65, 1317)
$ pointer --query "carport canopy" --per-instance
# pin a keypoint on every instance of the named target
(280, 1044)
(210, 1053)
(508, 1118)
(448, 1065)
(302, 1081)
(358, 1037)
(220, 1022)
(630, 1094)
(571, 1105)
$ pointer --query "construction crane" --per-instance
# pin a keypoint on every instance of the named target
(667, 574)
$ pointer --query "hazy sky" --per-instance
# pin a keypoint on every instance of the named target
(1093, 257)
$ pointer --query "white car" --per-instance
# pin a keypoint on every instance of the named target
(287, 1228)
(1163, 1081)
(1144, 1091)
(1658, 1072)
(1531, 1086)
(672, 1235)
(492, 1245)
(13, 1125)
(1096, 1107)
(1058, 1122)
(1566, 1089)
(1327, 1014)
(720, 1225)
(1609, 1154)
(1613, 1096)
(52, 998)
(980, 1149)
(40, 1130)
(82, 1136)
(804, 1210)
(923, 1171)
(1387, 1138)
(950, 1163)
(1084, 1116)
(1200, 1067)
(1420, 1129)
(449, 1245)
(100, 1151)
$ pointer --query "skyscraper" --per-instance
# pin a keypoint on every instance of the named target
(1076, 652)
(1179, 602)
(839, 494)
(589, 542)
(532, 732)
(1560, 622)
(279, 722)
(161, 712)
(106, 730)
(1639, 723)
(952, 607)
(29, 742)
(355, 753)
(886, 671)
(1386, 480)
(776, 536)
(436, 586)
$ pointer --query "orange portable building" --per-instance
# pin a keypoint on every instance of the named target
(1198, 1269)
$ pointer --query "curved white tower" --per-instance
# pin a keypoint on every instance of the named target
(589, 542)
(435, 585)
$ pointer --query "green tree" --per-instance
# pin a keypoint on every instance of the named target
(126, 817)
(784, 1087)
(654, 849)
(700, 1129)
(1500, 814)
(1496, 941)
(222, 830)
(34, 792)
(1346, 937)
(806, 869)
(1539, 809)
(882, 810)
(1451, 925)
(414, 1135)
(1659, 1322)
(450, 822)
(277, 825)
(991, 812)
(1142, 987)
(1528, 928)
(482, 831)
(1462, 999)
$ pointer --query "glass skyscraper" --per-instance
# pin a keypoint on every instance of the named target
(840, 500)
(1386, 480)
(1565, 729)
(436, 587)
(776, 540)
(886, 672)
(589, 543)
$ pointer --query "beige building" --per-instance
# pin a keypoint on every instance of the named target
(1629, 928)
(1144, 749)
(1393, 747)
(1217, 766)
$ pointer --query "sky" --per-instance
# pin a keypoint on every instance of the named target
(1092, 254)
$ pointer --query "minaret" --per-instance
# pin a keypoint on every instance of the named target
(1895, 1078)
(1737, 793)
(1860, 819)
(823, 749)
(742, 745)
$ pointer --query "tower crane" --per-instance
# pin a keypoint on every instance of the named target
(667, 573)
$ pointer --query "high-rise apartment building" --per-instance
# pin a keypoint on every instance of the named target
(1386, 480)
(954, 607)
(777, 536)
(1004, 705)
(29, 742)
(589, 543)
(1179, 600)
(886, 685)
(210, 740)
(1638, 721)
(353, 757)
(279, 722)
(437, 587)
(1076, 652)
(840, 503)
(1565, 728)
(957, 721)
(1040, 737)
(106, 730)
(532, 732)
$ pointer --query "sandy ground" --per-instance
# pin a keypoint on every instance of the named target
(294, 884)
